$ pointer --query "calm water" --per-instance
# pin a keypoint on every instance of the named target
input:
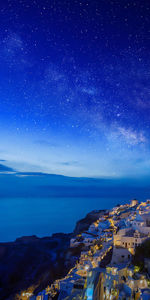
(42, 217)
(47, 204)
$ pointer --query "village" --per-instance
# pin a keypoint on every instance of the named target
(106, 268)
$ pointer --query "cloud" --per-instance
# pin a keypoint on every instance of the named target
(130, 136)
(24, 174)
(69, 163)
(5, 169)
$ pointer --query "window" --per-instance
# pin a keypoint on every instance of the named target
(128, 255)
(122, 256)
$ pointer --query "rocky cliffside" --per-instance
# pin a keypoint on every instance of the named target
(83, 224)
(33, 263)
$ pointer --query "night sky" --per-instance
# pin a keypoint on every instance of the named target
(75, 87)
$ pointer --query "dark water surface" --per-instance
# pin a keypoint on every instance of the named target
(28, 216)
(47, 204)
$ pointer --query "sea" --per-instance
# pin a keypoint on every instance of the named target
(45, 216)
(43, 205)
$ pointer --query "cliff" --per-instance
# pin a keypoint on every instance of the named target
(83, 224)
(34, 263)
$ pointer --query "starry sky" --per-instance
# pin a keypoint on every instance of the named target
(75, 87)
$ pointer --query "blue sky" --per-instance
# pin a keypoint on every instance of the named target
(74, 87)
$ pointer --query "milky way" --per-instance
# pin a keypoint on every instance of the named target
(75, 87)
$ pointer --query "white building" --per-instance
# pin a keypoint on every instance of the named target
(120, 255)
(129, 238)
(138, 221)
(142, 223)
(134, 202)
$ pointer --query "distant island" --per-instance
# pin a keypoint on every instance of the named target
(106, 257)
